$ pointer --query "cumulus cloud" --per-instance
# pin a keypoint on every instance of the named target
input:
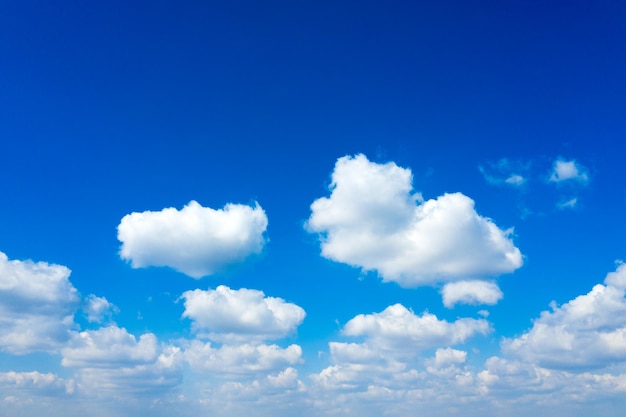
(35, 383)
(108, 346)
(585, 333)
(373, 220)
(568, 171)
(196, 240)
(225, 314)
(98, 309)
(393, 339)
(37, 304)
(240, 359)
(397, 328)
(112, 360)
(471, 292)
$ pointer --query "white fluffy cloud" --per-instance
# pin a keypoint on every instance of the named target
(585, 333)
(225, 314)
(111, 359)
(196, 240)
(568, 171)
(471, 292)
(37, 304)
(98, 309)
(374, 221)
(240, 359)
(108, 346)
(393, 339)
(399, 329)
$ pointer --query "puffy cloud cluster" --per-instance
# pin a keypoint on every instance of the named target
(585, 333)
(37, 304)
(374, 221)
(240, 359)
(241, 320)
(225, 314)
(393, 339)
(196, 240)
(111, 359)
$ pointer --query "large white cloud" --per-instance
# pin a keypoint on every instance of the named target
(37, 304)
(374, 221)
(196, 240)
(584, 333)
(225, 314)
(240, 359)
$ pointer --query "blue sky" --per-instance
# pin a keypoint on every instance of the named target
(312, 208)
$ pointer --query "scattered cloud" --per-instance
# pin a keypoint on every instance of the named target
(568, 171)
(196, 240)
(471, 292)
(373, 220)
(243, 315)
(37, 304)
(585, 333)
(568, 204)
(506, 172)
(98, 309)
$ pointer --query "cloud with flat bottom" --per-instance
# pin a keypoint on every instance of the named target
(195, 240)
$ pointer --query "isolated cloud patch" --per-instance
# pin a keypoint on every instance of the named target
(505, 172)
(471, 292)
(584, 333)
(225, 314)
(374, 220)
(37, 304)
(568, 171)
(195, 240)
(98, 309)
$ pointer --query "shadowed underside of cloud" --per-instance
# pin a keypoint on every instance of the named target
(374, 220)
(196, 240)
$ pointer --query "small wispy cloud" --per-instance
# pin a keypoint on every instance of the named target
(505, 172)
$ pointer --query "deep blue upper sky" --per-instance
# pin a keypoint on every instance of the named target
(120, 107)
